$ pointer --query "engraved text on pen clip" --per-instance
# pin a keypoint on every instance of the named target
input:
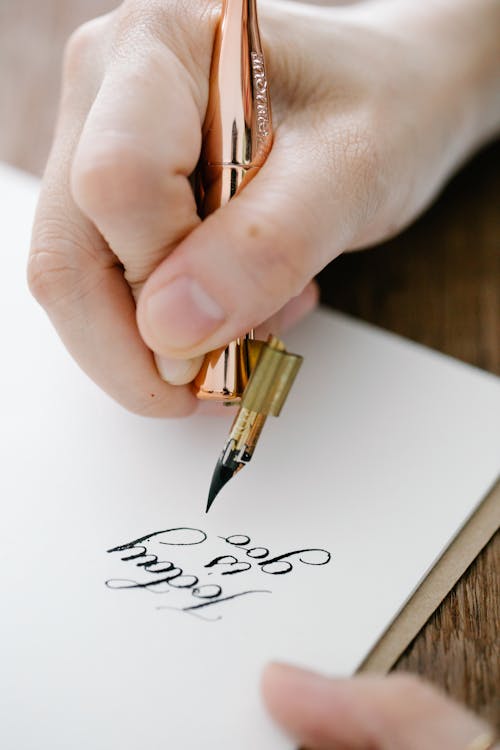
(261, 95)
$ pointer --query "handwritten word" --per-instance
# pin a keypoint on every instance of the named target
(175, 578)
(167, 576)
(278, 565)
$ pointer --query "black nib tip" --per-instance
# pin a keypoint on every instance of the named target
(221, 476)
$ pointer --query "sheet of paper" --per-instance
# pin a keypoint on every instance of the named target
(129, 617)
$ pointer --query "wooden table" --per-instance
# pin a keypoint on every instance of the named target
(438, 283)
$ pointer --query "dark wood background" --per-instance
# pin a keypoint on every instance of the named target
(438, 283)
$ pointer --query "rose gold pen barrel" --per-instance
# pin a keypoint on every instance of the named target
(237, 137)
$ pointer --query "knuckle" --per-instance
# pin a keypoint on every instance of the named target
(61, 262)
(50, 278)
(184, 27)
(162, 18)
(113, 179)
(80, 48)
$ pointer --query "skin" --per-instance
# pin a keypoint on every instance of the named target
(399, 712)
(375, 105)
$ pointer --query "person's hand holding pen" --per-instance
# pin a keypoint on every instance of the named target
(374, 105)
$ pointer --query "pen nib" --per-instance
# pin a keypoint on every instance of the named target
(221, 476)
(238, 450)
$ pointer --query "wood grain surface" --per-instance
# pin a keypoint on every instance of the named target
(437, 283)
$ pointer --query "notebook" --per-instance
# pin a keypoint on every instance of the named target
(129, 616)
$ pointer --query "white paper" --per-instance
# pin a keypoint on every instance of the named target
(383, 451)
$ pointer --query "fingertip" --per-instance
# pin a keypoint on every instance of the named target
(286, 688)
(177, 371)
(275, 673)
(307, 705)
(272, 678)
(300, 306)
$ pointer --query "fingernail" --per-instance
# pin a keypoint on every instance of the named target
(182, 314)
(177, 371)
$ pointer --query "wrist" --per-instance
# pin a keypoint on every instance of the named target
(460, 41)
(472, 33)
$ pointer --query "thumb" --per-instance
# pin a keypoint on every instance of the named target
(398, 712)
(243, 263)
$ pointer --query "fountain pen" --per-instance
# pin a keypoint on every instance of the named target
(237, 138)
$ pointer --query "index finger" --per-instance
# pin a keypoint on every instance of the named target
(78, 280)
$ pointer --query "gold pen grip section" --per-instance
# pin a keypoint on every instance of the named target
(256, 373)
(271, 379)
(265, 394)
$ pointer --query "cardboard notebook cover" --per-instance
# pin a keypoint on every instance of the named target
(448, 570)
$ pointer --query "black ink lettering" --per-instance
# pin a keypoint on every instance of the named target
(195, 608)
(177, 575)
(150, 565)
(233, 562)
(198, 537)
(143, 552)
(212, 593)
(233, 540)
(175, 581)
(166, 575)
(287, 566)
(127, 583)
(257, 553)
(224, 599)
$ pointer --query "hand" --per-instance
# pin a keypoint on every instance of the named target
(398, 712)
(374, 105)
